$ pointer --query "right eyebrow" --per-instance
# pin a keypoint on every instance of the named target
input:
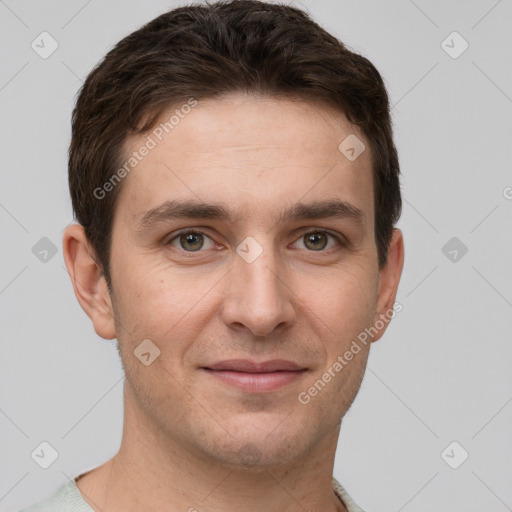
(170, 210)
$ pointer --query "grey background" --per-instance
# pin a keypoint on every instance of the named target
(442, 371)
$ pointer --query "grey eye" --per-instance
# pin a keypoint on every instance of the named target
(191, 241)
(316, 241)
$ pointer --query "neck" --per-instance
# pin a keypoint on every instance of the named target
(153, 471)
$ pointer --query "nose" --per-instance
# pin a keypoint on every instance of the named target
(258, 297)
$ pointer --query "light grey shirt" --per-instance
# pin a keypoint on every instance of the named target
(67, 498)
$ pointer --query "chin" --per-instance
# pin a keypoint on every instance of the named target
(252, 447)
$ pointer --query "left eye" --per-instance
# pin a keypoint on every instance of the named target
(318, 240)
(191, 241)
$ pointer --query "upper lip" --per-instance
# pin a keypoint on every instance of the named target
(245, 365)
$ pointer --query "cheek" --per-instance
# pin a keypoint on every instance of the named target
(164, 305)
(155, 304)
(347, 301)
(346, 307)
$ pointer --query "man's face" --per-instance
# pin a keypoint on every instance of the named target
(257, 284)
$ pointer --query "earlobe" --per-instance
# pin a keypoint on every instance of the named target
(88, 282)
(389, 278)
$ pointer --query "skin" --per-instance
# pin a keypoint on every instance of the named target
(191, 441)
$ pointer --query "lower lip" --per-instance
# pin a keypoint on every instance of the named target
(256, 382)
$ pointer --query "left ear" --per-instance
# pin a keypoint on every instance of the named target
(389, 277)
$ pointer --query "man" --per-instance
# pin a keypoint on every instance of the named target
(245, 130)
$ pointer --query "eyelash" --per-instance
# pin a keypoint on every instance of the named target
(340, 239)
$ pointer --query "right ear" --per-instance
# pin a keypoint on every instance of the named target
(88, 281)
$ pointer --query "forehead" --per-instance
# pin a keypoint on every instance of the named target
(260, 152)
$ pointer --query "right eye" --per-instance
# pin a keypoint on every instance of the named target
(190, 241)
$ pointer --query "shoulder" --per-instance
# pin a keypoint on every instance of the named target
(66, 498)
(343, 495)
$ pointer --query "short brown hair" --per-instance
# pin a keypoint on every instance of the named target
(205, 51)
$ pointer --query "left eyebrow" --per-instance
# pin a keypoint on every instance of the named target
(171, 210)
(324, 210)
